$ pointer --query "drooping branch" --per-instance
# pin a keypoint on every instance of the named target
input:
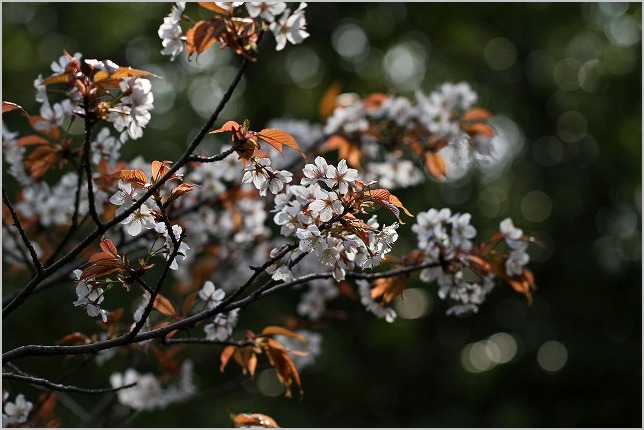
(87, 147)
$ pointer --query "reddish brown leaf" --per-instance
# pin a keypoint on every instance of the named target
(203, 35)
(213, 7)
(286, 371)
(225, 356)
(388, 201)
(113, 79)
(228, 126)
(32, 140)
(74, 338)
(109, 247)
(163, 305)
(346, 149)
(135, 176)
(182, 189)
(435, 165)
(160, 168)
(40, 161)
(328, 102)
(254, 420)
(476, 114)
(189, 302)
(274, 330)
(9, 106)
(61, 78)
(277, 138)
(388, 288)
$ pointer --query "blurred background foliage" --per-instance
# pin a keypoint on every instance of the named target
(565, 82)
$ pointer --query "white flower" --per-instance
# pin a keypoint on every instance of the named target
(146, 395)
(105, 145)
(341, 176)
(326, 205)
(138, 220)
(314, 172)
(310, 238)
(512, 234)
(291, 28)
(124, 197)
(462, 231)
(170, 32)
(52, 116)
(60, 65)
(517, 259)
(41, 89)
(16, 412)
(132, 114)
(182, 252)
(90, 296)
(275, 182)
(211, 295)
(267, 11)
(222, 326)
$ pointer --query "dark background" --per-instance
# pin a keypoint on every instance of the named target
(567, 76)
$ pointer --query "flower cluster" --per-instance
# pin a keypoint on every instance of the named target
(232, 30)
(90, 295)
(321, 211)
(376, 133)
(466, 274)
(148, 393)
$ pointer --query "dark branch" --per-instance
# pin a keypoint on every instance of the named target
(60, 387)
(23, 235)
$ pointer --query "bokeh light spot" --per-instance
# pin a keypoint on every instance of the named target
(414, 303)
(552, 356)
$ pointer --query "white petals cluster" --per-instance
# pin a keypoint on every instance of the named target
(132, 114)
(211, 295)
(15, 412)
(263, 177)
(170, 32)
(168, 249)
(54, 206)
(148, 394)
(364, 287)
(437, 114)
(14, 153)
(443, 236)
(222, 326)
(518, 257)
(301, 210)
(90, 296)
(290, 27)
(105, 146)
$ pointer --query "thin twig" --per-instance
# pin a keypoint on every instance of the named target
(59, 387)
(23, 235)
(89, 123)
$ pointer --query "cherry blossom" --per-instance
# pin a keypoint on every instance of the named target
(290, 28)
(266, 11)
(16, 412)
(89, 295)
(140, 219)
(170, 32)
(211, 295)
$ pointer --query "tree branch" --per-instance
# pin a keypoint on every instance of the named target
(28, 289)
(60, 387)
(23, 235)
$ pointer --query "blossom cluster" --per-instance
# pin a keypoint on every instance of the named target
(446, 239)
(379, 132)
(148, 393)
(318, 213)
(285, 24)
